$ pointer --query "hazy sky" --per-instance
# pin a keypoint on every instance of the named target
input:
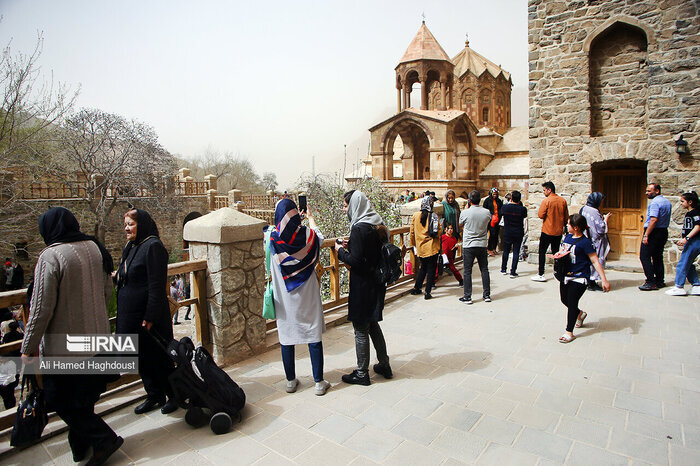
(275, 81)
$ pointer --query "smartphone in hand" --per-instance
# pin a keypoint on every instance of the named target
(302, 203)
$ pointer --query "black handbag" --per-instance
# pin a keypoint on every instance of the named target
(31, 414)
(561, 265)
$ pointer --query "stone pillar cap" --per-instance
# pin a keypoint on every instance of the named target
(223, 226)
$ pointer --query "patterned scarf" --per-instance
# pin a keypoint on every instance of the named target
(295, 247)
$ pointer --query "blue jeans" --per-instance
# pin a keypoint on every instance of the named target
(316, 355)
(686, 264)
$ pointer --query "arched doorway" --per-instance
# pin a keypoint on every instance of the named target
(185, 244)
(416, 149)
(623, 183)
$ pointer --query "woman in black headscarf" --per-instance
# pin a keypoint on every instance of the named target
(142, 305)
(72, 287)
(598, 227)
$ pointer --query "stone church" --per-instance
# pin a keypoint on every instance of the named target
(461, 136)
(614, 105)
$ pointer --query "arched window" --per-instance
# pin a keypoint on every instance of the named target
(485, 115)
(618, 87)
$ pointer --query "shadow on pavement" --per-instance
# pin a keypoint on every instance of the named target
(613, 324)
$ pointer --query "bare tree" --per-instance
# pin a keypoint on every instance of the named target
(107, 158)
(30, 108)
(232, 171)
(269, 181)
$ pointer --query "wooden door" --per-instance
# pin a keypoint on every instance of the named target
(625, 199)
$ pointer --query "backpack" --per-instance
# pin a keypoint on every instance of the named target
(389, 264)
(433, 225)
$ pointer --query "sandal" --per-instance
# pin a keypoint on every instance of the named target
(579, 321)
(566, 338)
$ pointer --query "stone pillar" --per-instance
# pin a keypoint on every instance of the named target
(443, 102)
(211, 181)
(234, 196)
(183, 173)
(211, 199)
(398, 100)
(231, 242)
(424, 94)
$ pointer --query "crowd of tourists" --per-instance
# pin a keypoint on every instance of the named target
(74, 264)
(578, 243)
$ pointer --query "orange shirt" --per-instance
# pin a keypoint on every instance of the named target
(555, 214)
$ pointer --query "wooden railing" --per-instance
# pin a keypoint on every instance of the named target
(198, 286)
(191, 188)
(53, 190)
(221, 201)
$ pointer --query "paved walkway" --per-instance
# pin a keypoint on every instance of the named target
(486, 384)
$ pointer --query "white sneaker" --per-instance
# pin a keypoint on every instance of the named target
(538, 278)
(695, 290)
(322, 387)
(292, 385)
(676, 291)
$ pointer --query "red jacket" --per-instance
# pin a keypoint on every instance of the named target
(448, 242)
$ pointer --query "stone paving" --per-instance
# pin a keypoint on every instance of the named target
(486, 384)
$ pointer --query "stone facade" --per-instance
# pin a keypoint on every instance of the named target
(613, 84)
(232, 244)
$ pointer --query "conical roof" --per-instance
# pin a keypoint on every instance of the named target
(468, 60)
(424, 46)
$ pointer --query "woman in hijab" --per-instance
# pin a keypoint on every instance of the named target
(495, 205)
(296, 291)
(598, 226)
(427, 247)
(450, 209)
(366, 299)
(72, 286)
(142, 305)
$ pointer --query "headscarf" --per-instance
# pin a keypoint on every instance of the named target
(359, 210)
(59, 225)
(145, 228)
(595, 199)
(493, 190)
(427, 203)
(451, 212)
(295, 247)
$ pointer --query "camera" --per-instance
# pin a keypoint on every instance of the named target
(339, 240)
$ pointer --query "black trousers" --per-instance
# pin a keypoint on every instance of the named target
(545, 242)
(570, 295)
(482, 258)
(493, 237)
(651, 255)
(428, 266)
(508, 244)
(154, 367)
(363, 333)
(73, 398)
(8, 393)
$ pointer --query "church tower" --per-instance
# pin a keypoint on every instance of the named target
(425, 62)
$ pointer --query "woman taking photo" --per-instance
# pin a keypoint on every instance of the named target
(427, 247)
(72, 286)
(578, 272)
(598, 227)
(690, 242)
(142, 306)
(366, 299)
(296, 291)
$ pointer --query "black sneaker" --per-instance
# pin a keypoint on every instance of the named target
(648, 287)
(428, 296)
(514, 275)
(353, 378)
(415, 292)
(503, 272)
(383, 370)
(466, 300)
(661, 285)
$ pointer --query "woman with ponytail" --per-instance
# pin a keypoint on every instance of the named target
(582, 253)
(691, 247)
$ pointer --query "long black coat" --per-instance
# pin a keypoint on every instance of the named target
(141, 291)
(366, 300)
(488, 204)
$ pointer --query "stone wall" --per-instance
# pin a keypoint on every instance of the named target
(169, 220)
(613, 80)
